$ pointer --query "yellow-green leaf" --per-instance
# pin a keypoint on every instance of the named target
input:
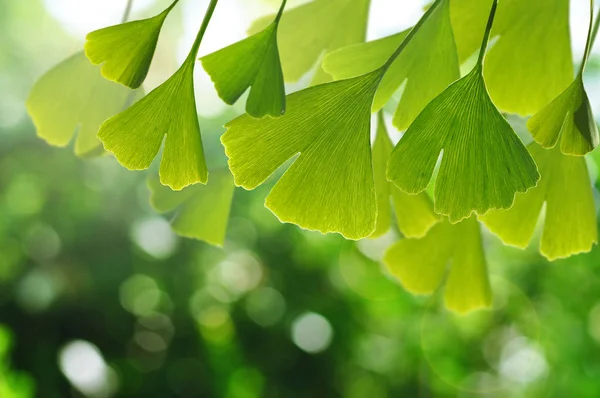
(414, 213)
(310, 30)
(427, 65)
(200, 211)
(135, 135)
(73, 96)
(570, 221)
(329, 187)
(452, 252)
(484, 163)
(252, 62)
(126, 50)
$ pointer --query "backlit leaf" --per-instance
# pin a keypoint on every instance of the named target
(570, 222)
(253, 62)
(329, 187)
(200, 211)
(484, 163)
(427, 65)
(136, 135)
(126, 50)
(414, 213)
(452, 252)
(569, 116)
(530, 61)
(73, 96)
(310, 30)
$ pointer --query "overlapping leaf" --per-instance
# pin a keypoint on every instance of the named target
(484, 163)
(427, 65)
(530, 61)
(414, 213)
(200, 211)
(126, 50)
(569, 116)
(570, 222)
(73, 96)
(450, 252)
(253, 62)
(308, 31)
(329, 187)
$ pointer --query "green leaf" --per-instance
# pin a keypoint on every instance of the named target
(74, 96)
(414, 213)
(135, 135)
(329, 187)
(530, 62)
(484, 163)
(427, 65)
(422, 264)
(569, 118)
(308, 31)
(254, 62)
(200, 211)
(126, 50)
(570, 222)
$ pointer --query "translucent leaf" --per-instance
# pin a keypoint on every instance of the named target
(200, 211)
(422, 264)
(329, 187)
(309, 31)
(74, 96)
(530, 63)
(126, 50)
(254, 62)
(427, 65)
(135, 135)
(570, 222)
(414, 213)
(484, 163)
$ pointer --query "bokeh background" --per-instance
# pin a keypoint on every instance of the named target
(99, 298)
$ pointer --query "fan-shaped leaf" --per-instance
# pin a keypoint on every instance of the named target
(329, 187)
(428, 64)
(414, 213)
(308, 31)
(74, 96)
(254, 62)
(421, 265)
(200, 211)
(135, 135)
(126, 50)
(570, 223)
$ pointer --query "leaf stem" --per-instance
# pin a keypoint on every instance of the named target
(127, 11)
(280, 12)
(486, 35)
(410, 35)
(207, 17)
(591, 38)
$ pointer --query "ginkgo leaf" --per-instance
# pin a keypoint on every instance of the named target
(427, 65)
(73, 96)
(253, 62)
(126, 50)
(570, 222)
(200, 211)
(310, 30)
(414, 213)
(484, 163)
(329, 187)
(569, 116)
(530, 62)
(135, 135)
(448, 249)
